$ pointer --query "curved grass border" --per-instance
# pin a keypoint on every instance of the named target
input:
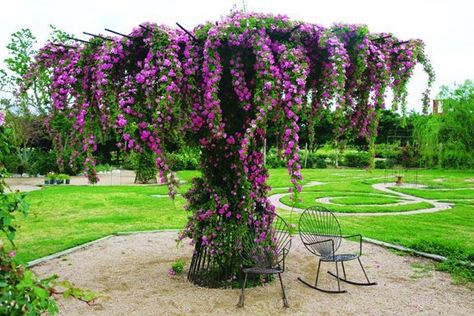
(376, 208)
(369, 200)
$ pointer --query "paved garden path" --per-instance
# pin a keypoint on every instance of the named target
(384, 187)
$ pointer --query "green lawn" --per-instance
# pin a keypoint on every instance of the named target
(363, 200)
(65, 216)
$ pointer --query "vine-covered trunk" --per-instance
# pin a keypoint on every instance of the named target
(227, 202)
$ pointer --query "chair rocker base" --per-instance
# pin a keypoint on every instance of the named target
(320, 289)
(352, 282)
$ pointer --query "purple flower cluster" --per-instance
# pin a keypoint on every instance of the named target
(220, 90)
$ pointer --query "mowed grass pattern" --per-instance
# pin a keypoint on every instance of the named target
(65, 216)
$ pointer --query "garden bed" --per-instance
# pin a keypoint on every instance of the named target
(131, 272)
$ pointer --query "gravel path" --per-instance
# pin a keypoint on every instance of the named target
(384, 187)
(130, 271)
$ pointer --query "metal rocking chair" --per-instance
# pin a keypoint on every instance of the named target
(320, 232)
(266, 258)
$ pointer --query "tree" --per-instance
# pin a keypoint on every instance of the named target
(322, 132)
(21, 53)
(446, 138)
(27, 109)
(219, 87)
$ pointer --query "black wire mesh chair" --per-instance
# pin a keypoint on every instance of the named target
(266, 257)
(320, 232)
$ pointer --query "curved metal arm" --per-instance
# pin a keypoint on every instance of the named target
(319, 242)
(360, 241)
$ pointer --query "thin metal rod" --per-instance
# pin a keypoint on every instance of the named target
(64, 45)
(317, 274)
(145, 28)
(117, 33)
(363, 270)
(294, 29)
(98, 36)
(338, 282)
(187, 32)
(344, 270)
(381, 38)
(400, 43)
(79, 40)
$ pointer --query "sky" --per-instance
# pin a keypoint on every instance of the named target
(446, 26)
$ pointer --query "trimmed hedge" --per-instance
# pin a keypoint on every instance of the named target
(356, 159)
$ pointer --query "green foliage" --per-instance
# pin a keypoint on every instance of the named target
(308, 159)
(356, 159)
(21, 293)
(32, 161)
(10, 203)
(389, 151)
(178, 266)
(317, 131)
(314, 160)
(103, 167)
(20, 55)
(144, 165)
(70, 290)
(186, 158)
(384, 163)
(446, 139)
(274, 160)
(63, 176)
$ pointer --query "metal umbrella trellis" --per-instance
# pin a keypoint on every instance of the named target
(219, 87)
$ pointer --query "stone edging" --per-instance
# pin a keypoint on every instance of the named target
(90, 243)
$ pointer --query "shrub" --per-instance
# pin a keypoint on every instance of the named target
(273, 160)
(356, 159)
(315, 160)
(384, 163)
(21, 293)
(51, 176)
(186, 159)
(146, 168)
(43, 162)
(380, 164)
(31, 161)
(177, 268)
(103, 167)
(388, 151)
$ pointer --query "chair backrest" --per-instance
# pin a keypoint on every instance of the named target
(267, 251)
(317, 227)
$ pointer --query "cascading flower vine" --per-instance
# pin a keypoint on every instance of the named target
(218, 88)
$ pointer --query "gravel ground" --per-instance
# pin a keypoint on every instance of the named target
(131, 272)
